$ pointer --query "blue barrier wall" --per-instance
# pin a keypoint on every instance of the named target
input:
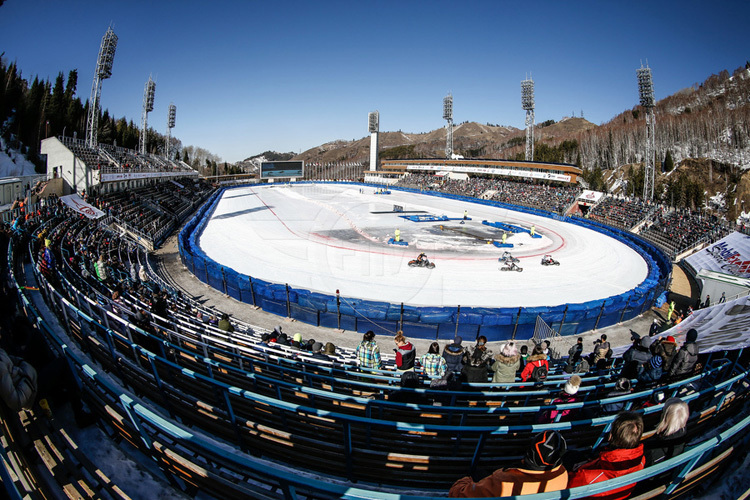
(430, 322)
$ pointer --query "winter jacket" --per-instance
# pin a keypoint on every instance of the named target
(18, 382)
(667, 351)
(368, 355)
(225, 325)
(505, 368)
(433, 365)
(684, 361)
(660, 448)
(475, 362)
(533, 361)
(511, 482)
(101, 270)
(611, 463)
(575, 353)
(612, 408)
(405, 356)
(600, 352)
(453, 354)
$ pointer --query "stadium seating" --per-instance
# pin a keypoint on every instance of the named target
(226, 415)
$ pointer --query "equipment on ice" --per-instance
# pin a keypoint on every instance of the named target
(547, 260)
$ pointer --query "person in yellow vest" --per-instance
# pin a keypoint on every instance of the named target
(397, 235)
(670, 311)
(505, 237)
(533, 230)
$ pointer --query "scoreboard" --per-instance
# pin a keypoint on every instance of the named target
(281, 169)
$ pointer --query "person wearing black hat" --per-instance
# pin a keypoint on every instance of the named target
(540, 470)
(686, 358)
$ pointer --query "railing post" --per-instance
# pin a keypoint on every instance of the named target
(458, 316)
(401, 318)
(562, 321)
(624, 309)
(252, 290)
(288, 305)
(224, 281)
(515, 327)
(600, 314)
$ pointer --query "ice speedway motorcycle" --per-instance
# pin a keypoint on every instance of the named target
(507, 257)
(547, 260)
(422, 261)
(511, 266)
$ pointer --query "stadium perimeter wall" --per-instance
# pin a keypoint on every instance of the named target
(443, 323)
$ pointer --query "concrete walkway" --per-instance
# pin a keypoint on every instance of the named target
(167, 259)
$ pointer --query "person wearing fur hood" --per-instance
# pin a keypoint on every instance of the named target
(507, 363)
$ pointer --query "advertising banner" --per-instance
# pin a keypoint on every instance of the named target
(730, 255)
(76, 203)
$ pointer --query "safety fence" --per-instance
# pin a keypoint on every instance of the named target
(441, 323)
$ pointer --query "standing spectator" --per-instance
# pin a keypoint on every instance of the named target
(368, 352)
(707, 303)
(654, 328)
(623, 455)
(506, 365)
(666, 348)
(671, 435)
(536, 362)
(687, 357)
(453, 354)
(524, 355)
(406, 353)
(637, 357)
(652, 371)
(540, 470)
(602, 350)
(476, 360)
(723, 297)
(575, 352)
(433, 363)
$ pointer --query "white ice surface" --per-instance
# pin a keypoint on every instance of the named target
(323, 237)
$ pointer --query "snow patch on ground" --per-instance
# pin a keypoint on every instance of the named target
(13, 163)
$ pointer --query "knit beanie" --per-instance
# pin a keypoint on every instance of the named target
(546, 451)
(692, 335)
(317, 346)
(656, 362)
(670, 339)
(646, 342)
(572, 385)
(297, 337)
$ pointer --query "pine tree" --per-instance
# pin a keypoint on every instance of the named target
(668, 161)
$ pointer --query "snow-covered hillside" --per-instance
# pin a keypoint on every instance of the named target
(14, 164)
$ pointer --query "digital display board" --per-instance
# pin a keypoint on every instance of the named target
(281, 169)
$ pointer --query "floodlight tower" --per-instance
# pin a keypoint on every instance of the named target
(148, 105)
(373, 125)
(103, 71)
(171, 115)
(646, 92)
(448, 116)
(527, 103)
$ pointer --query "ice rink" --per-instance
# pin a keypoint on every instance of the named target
(328, 237)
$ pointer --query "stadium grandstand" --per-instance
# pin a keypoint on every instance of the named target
(225, 408)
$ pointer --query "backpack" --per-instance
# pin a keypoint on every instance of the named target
(539, 373)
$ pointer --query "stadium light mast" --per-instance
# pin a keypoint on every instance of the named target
(103, 71)
(646, 93)
(148, 105)
(527, 103)
(171, 115)
(373, 126)
(448, 116)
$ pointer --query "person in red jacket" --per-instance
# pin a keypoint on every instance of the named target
(623, 455)
(405, 352)
(537, 359)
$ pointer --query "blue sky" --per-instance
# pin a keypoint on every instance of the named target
(252, 76)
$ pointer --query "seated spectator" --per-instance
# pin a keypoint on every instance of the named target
(671, 434)
(316, 354)
(652, 371)
(637, 357)
(506, 365)
(536, 364)
(453, 354)
(686, 359)
(368, 352)
(224, 323)
(296, 341)
(654, 329)
(405, 351)
(540, 470)
(567, 395)
(329, 349)
(575, 352)
(433, 363)
(623, 455)
(622, 387)
(409, 382)
(476, 360)
(666, 348)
